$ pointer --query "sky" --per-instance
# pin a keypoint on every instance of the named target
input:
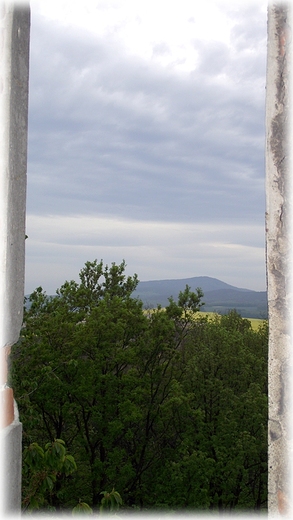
(146, 140)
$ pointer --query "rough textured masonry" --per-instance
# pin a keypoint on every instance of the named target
(279, 257)
(14, 73)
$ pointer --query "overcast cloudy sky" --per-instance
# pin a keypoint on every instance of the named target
(146, 139)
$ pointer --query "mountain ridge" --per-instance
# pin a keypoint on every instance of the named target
(207, 281)
(219, 296)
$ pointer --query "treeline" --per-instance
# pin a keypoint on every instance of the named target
(169, 410)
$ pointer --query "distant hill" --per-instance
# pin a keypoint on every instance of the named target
(218, 296)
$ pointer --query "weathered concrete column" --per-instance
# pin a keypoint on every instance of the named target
(14, 73)
(279, 257)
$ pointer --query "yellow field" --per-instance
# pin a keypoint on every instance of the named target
(255, 322)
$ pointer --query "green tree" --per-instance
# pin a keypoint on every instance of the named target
(169, 409)
(93, 368)
(68, 367)
(221, 461)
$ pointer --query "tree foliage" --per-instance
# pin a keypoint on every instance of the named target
(43, 473)
(110, 501)
(169, 409)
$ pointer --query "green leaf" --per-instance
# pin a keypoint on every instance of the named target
(82, 508)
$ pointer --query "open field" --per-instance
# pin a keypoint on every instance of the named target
(255, 322)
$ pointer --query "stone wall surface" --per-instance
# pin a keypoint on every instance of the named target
(14, 74)
(279, 256)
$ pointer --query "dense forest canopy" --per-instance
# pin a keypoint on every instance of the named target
(167, 407)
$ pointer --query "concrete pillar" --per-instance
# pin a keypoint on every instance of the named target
(279, 257)
(14, 72)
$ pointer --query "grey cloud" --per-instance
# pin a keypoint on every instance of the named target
(248, 31)
(215, 58)
(161, 49)
(111, 133)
